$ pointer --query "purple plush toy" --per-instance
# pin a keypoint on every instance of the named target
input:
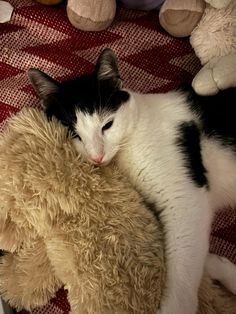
(143, 4)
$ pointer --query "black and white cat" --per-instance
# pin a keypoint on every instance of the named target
(178, 149)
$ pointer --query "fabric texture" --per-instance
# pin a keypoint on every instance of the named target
(150, 61)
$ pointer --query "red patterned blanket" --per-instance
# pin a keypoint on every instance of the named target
(150, 61)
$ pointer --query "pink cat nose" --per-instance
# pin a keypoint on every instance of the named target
(97, 159)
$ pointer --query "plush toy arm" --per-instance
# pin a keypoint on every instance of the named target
(217, 74)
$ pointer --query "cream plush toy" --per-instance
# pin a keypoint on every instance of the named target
(96, 15)
(211, 25)
(67, 223)
(91, 15)
(64, 222)
(214, 42)
(180, 17)
(88, 15)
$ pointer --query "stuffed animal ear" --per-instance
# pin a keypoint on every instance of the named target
(107, 68)
(43, 84)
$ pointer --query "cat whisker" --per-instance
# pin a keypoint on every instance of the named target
(124, 142)
(122, 145)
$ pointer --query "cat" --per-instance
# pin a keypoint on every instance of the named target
(178, 150)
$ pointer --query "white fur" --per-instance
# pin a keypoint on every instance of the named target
(221, 269)
(142, 139)
(109, 142)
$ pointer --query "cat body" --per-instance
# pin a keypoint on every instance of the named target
(184, 184)
(179, 151)
(170, 141)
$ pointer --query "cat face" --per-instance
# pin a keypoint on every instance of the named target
(92, 106)
(101, 134)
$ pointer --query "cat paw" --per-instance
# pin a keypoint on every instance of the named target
(221, 269)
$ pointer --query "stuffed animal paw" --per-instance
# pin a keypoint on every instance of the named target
(219, 73)
(91, 15)
(218, 4)
(6, 10)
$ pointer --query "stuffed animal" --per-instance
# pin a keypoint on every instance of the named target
(88, 15)
(64, 222)
(180, 17)
(6, 10)
(97, 15)
(212, 31)
(214, 42)
(91, 15)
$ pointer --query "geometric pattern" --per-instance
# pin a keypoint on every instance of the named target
(41, 36)
(223, 235)
(150, 60)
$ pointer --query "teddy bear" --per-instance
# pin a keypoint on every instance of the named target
(65, 222)
(211, 25)
(214, 42)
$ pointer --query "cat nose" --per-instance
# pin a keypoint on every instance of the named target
(97, 159)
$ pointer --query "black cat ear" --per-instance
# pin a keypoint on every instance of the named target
(107, 67)
(42, 83)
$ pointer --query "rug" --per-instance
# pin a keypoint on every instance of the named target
(150, 61)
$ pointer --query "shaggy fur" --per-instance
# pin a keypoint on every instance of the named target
(66, 222)
(215, 35)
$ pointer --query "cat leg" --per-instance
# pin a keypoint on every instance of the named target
(186, 224)
(221, 269)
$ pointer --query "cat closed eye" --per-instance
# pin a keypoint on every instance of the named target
(78, 137)
(107, 126)
(75, 135)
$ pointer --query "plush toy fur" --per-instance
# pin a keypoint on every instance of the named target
(213, 38)
(215, 35)
(214, 42)
(69, 223)
(65, 222)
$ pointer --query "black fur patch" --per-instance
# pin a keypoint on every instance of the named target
(86, 94)
(217, 114)
(189, 143)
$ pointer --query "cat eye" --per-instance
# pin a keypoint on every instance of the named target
(74, 134)
(78, 137)
(107, 126)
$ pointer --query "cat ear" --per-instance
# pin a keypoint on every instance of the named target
(107, 67)
(42, 83)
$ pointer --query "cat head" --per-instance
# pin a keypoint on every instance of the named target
(93, 106)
